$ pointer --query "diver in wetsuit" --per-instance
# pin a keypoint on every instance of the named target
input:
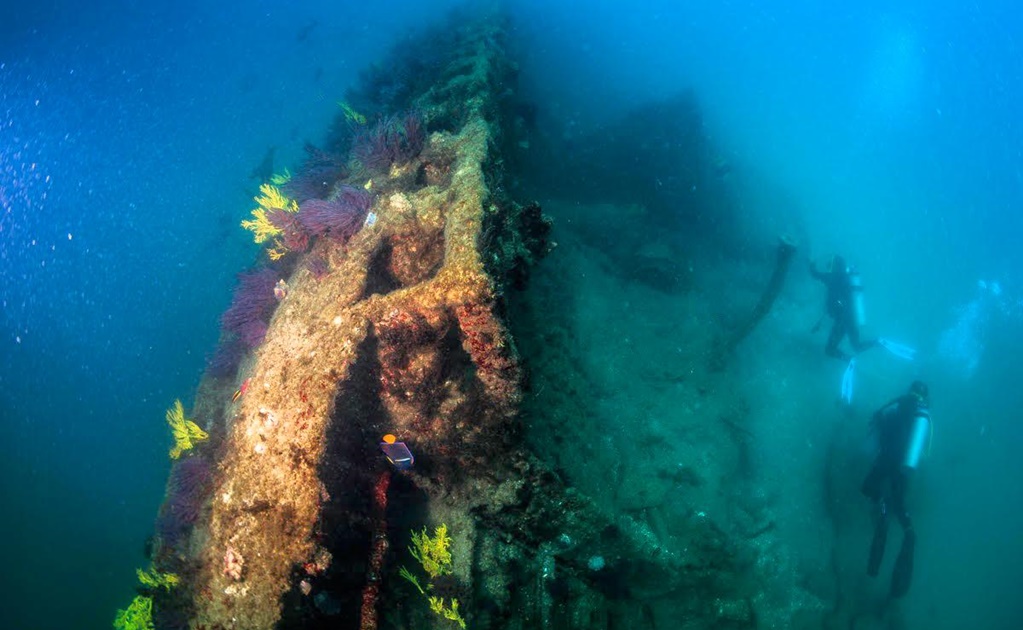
(903, 429)
(844, 304)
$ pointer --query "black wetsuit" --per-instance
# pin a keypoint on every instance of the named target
(893, 424)
(839, 305)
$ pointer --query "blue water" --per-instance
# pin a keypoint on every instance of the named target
(889, 132)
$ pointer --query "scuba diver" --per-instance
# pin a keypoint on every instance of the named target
(903, 428)
(844, 305)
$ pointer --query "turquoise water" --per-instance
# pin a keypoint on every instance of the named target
(890, 134)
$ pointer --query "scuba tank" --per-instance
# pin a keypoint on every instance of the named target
(919, 430)
(856, 293)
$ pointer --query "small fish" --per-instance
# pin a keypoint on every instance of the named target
(241, 391)
(304, 32)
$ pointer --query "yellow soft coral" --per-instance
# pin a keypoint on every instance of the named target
(186, 433)
(435, 556)
(277, 252)
(138, 615)
(260, 226)
(433, 553)
(155, 579)
(350, 114)
(405, 573)
(448, 612)
(271, 198)
(281, 179)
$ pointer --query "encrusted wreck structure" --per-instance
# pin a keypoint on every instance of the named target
(401, 330)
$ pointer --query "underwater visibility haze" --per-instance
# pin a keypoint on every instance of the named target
(511, 315)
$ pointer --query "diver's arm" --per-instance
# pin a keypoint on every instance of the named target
(823, 277)
(884, 410)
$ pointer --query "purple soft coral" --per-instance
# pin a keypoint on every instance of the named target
(252, 333)
(393, 140)
(190, 483)
(226, 358)
(252, 306)
(339, 218)
(293, 235)
(414, 134)
(192, 475)
(317, 177)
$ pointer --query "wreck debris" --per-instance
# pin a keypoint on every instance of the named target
(783, 257)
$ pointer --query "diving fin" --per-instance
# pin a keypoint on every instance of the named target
(898, 349)
(877, 545)
(847, 382)
(903, 573)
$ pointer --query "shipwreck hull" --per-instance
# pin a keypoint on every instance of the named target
(307, 523)
(371, 341)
